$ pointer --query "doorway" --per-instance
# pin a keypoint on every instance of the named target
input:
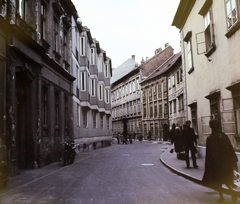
(24, 141)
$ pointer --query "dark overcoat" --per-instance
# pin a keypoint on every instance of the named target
(220, 160)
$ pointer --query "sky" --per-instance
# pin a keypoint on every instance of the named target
(130, 27)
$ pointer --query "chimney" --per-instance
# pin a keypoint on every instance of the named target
(166, 45)
(158, 50)
(133, 57)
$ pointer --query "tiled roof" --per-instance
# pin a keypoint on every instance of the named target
(157, 60)
(123, 69)
(164, 67)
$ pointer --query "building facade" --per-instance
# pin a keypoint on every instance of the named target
(37, 109)
(176, 94)
(126, 99)
(92, 121)
(155, 102)
(209, 31)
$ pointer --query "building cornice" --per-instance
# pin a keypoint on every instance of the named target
(183, 10)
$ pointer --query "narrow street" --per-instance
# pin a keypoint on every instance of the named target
(120, 174)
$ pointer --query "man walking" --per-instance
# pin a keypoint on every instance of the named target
(190, 143)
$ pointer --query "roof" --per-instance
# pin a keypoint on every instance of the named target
(157, 60)
(164, 67)
(123, 69)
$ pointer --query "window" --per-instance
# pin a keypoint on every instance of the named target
(78, 115)
(155, 110)
(174, 105)
(93, 87)
(137, 83)
(178, 77)
(133, 85)
(165, 108)
(164, 86)
(107, 96)
(83, 79)
(43, 21)
(231, 12)
(44, 105)
(151, 111)
(160, 90)
(100, 94)
(194, 118)
(169, 83)
(181, 73)
(78, 76)
(170, 107)
(100, 62)
(106, 70)
(208, 25)
(85, 118)
(92, 56)
(154, 90)
(160, 109)
(101, 120)
(56, 37)
(94, 118)
(205, 39)
(65, 47)
(214, 99)
(144, 111)
(173, 81)
(56, 108)
(123, 91)
(82, 46)
(189, 55)
(23, 9)
(180, 102)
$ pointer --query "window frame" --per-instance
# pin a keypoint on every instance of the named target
(84, 81)
(93, 89)
(82, 46)
(100, 92)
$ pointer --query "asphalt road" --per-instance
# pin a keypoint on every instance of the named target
(120, 174)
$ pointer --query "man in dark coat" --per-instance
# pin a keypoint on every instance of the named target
(190, 143)
(220, 160)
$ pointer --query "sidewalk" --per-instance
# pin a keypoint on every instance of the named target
(179, 166)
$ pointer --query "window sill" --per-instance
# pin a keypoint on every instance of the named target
(191, 70)
(233, 29)
(211, 50)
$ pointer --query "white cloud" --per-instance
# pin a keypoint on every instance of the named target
(130, 27)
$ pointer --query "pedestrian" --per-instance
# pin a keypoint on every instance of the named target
(134, 136)
(220, 161)
(125, 138)
(190, 143)
(177, 140)
(130, 138)
(118, 138)
(122, 138)
(149, 135)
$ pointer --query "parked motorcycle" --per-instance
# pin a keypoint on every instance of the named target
(3, 174)
(69, 153)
